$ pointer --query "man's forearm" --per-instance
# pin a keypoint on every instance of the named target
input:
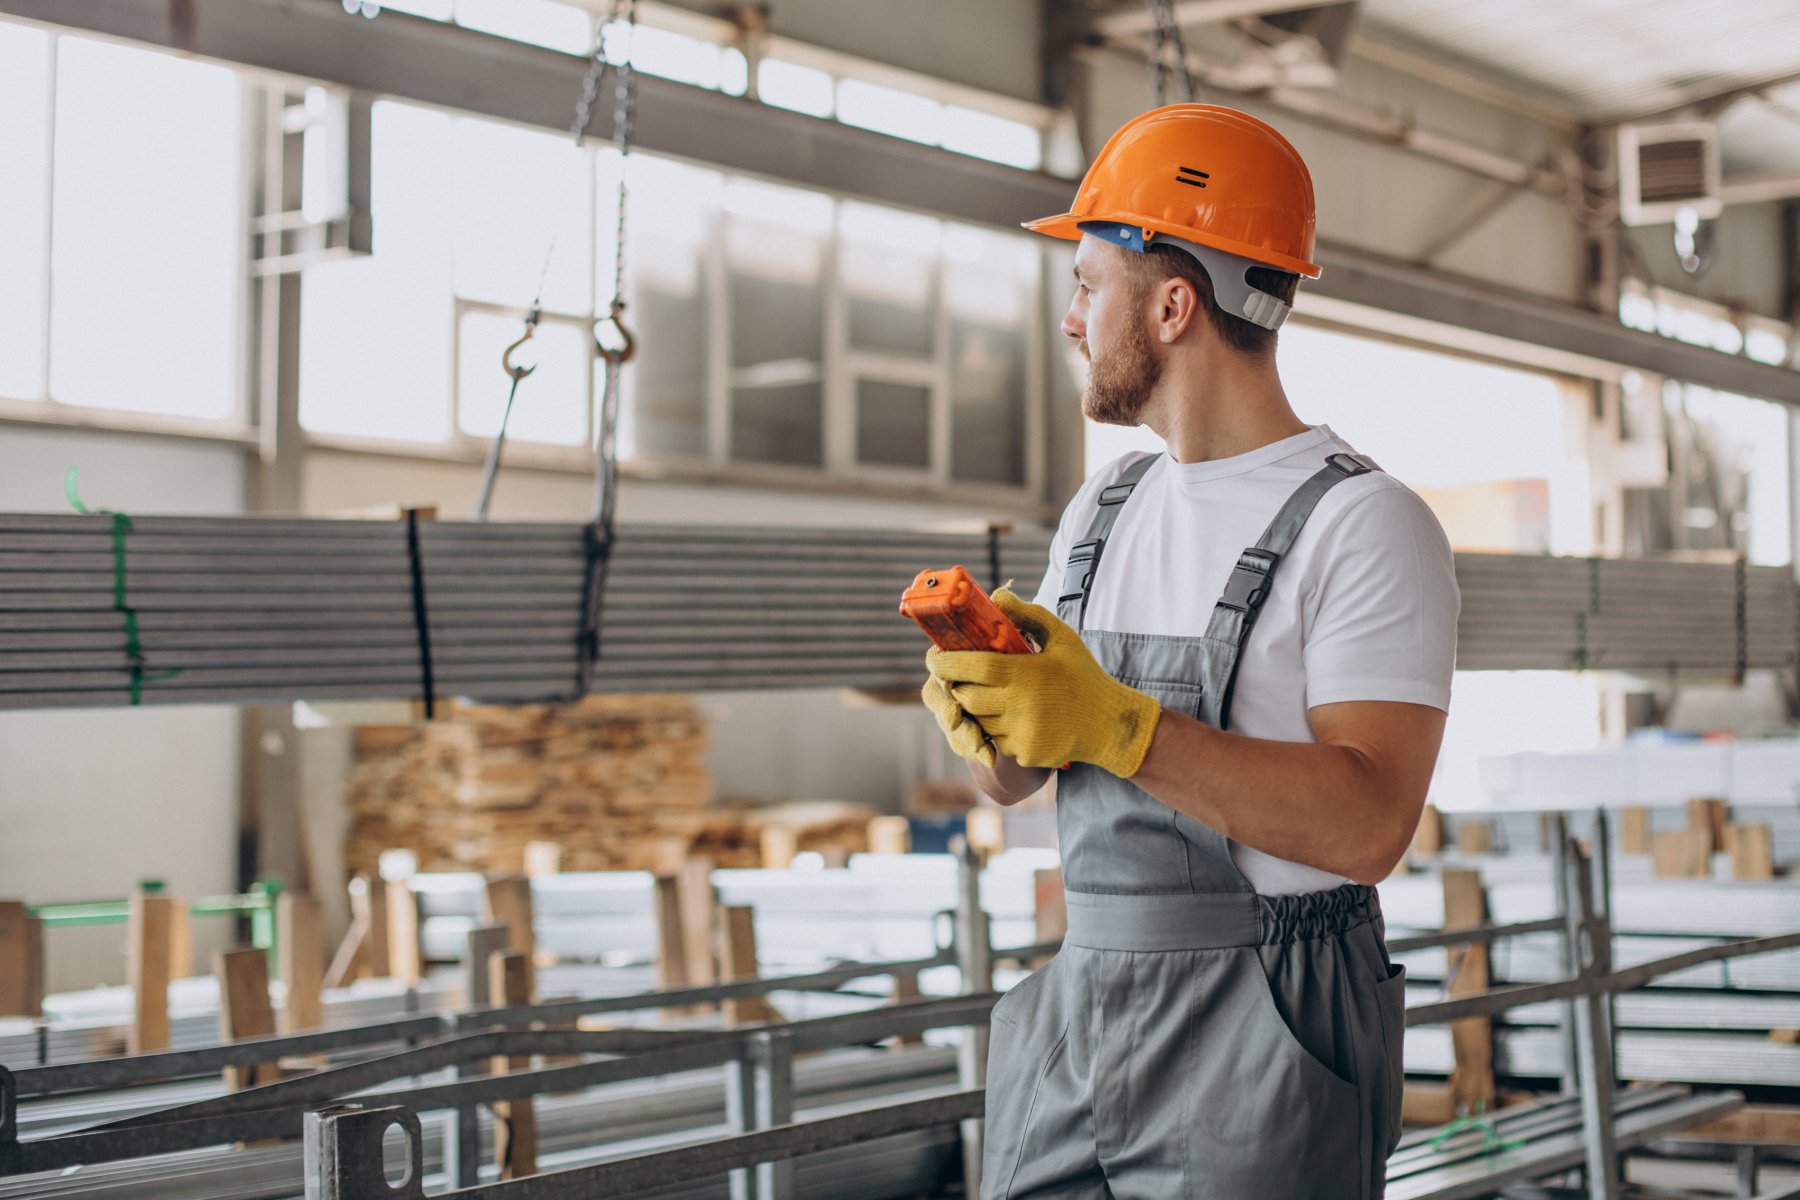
(1006, 782)
(1325, 806)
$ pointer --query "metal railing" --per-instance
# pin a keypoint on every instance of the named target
(343, 1143)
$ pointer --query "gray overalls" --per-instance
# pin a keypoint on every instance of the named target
(1193, 1039)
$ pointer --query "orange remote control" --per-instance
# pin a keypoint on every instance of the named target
(957, 615)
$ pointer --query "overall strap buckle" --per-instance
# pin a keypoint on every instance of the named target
(1078, 576)
(1249, 585)
(1352, 464)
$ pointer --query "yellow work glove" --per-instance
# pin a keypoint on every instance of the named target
(1053, 707)
(964, 735)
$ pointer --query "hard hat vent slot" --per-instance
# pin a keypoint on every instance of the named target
(1192, 177)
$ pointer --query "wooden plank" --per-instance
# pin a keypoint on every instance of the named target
(906, 990)
(699, 904)
(406, 959)
(244, 1009)
(1752, 850)
(1472, 1077)
(779, 845)
(671, 942)
(368, 904)
(986, 832)
(181, 941)
(1427, 1104)
(346, 963)
(148, 934)
(515, 1121)
(1682, 854)
(1765, 1124)
(737, 960)
(543, 858)
(1634, 829)
(484, 942)
(507, 901)
(15, 960)
(300, 936)
(1428, 838)
(890, 835)
(1707, 815)
(1474, 837)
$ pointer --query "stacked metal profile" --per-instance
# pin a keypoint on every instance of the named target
(247, 610)
(1532, 613)
(97, 610)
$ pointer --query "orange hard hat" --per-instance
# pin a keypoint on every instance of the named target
(1202, 174)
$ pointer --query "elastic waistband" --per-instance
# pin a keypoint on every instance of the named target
(1215, 920)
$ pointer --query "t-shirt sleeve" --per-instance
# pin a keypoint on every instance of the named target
(1381, 619)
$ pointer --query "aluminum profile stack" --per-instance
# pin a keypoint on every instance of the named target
(266, 610)
(1525, 612)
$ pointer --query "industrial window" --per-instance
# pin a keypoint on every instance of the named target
(120, 278)
(690, 48)
(781, 329)
(1708, 471)
(1702, 323)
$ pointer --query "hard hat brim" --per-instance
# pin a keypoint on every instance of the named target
(1067, 226)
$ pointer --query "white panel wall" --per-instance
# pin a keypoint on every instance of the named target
(93, 801)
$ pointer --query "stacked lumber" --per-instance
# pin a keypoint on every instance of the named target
(611, 780)
(615, 782)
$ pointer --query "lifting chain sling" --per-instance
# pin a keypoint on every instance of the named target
(1168, 56)
(624, 14)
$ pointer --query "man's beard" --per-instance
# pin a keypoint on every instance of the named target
(1119, 384)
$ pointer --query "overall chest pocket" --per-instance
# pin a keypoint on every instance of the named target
(1175, 695)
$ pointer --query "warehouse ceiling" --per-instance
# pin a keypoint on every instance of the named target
(1595, 62)
(1602, 61)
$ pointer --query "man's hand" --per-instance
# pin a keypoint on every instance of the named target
(1052, 707)
(964, 735)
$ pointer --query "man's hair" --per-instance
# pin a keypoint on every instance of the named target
(1158, 263)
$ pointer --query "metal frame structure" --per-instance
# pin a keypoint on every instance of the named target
(450, 67)
(344, 1144)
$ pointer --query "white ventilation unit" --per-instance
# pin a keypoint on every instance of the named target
(1664, 169)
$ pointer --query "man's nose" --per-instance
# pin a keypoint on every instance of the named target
(1072, 325)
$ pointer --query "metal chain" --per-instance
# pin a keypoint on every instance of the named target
(1166, 48)
(600, 534)
(624, 121)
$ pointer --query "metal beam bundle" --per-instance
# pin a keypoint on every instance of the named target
(1524, 612)
(168, 610)
(247, 610)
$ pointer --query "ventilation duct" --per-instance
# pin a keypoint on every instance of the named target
(1664, 169)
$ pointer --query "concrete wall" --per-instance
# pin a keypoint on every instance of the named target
(93, 801)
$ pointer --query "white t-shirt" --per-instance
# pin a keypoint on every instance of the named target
(1363, 607)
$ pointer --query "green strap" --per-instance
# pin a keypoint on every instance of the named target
(134, 646)
(1479, 1121)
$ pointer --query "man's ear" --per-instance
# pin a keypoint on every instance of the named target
(1177, 304)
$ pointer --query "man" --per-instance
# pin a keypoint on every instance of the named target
(1223, 1021)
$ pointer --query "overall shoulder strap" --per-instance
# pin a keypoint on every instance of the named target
(1084, 556)
(1234, 616)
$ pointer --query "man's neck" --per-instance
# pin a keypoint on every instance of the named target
(1220, 409)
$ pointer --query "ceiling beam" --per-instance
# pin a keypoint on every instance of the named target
(1708, 97)
(432, 63)
(1759, 188)
(1139, 20)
